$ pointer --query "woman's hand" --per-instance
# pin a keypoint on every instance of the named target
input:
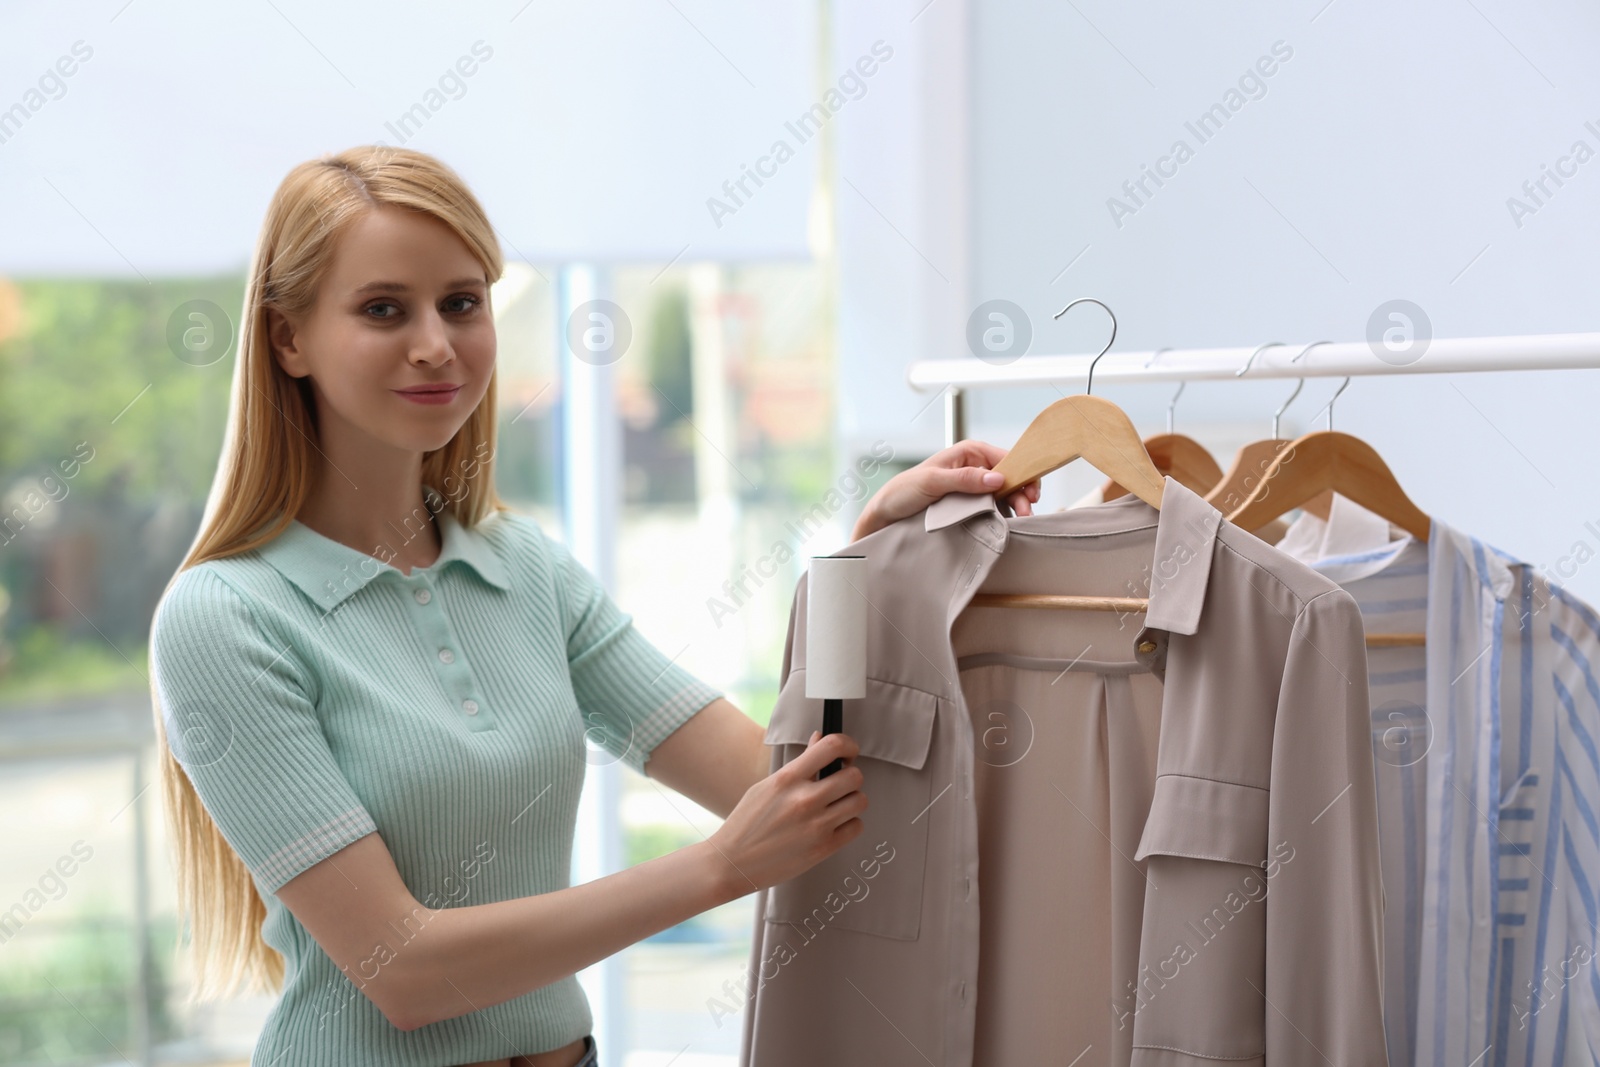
(791, 820)
(964, 467)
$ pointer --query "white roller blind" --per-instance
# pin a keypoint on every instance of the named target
(147, 137)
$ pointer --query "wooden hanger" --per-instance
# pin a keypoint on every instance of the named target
(1245, 473)
(1329, 461)
(1080, 427)
(1088, 427)
(1083, 427)
(1093, 429)
(1252, 461)
(1178, 455)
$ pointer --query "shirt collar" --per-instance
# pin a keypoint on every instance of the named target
(1351, 534)
(1186, 534)
(1357, 544)
(328, 571)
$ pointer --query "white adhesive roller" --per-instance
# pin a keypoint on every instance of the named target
(836, 628)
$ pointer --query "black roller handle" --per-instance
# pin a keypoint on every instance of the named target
(832, 723)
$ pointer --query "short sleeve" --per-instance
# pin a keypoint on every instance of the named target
(239, 717)
(630, 693)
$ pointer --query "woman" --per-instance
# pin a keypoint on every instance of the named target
(363, 636)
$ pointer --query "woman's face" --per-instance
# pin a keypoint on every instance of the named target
(405, 304)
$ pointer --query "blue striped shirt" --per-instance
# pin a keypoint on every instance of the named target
(1488, 788)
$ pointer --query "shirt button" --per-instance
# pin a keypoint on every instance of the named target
(446, 656)
(969, 887)
(423, 596)
(470, 707)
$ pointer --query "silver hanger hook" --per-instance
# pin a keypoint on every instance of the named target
(1240, 372)
(1328, 407)
(1088, 387)
(1308, 348)
(1181, 385)
(1276, 415)
(1301, 384)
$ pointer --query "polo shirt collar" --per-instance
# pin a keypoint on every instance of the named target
(1186, 534)
(329, 572)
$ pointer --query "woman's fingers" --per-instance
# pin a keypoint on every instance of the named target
(964, 467)
(821, 751)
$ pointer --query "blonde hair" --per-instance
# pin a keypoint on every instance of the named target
(263, 479)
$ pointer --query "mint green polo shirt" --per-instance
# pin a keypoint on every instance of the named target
(315, 694)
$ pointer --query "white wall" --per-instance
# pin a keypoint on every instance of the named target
(901, 186)
(591, 132)
(1374, 163)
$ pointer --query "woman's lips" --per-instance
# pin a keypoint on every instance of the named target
(433, 396)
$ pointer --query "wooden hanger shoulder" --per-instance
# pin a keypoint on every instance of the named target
(1089, 427)
(1180, 457)
(1246, 471)
(1330, 460)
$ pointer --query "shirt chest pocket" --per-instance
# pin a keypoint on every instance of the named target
(874, 884)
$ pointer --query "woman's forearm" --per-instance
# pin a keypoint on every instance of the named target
(469, 958)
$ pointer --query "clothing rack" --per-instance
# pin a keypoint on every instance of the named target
(1320, 359)
(1275, 359)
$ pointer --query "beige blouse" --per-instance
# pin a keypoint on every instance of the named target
(1092, 839)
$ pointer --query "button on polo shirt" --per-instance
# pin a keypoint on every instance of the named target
(314, 695)
(433, 626)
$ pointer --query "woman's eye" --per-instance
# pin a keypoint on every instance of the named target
(461, 303)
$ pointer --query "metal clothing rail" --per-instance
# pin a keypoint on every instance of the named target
(1320, 359)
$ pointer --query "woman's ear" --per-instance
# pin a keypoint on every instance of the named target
(281, 339)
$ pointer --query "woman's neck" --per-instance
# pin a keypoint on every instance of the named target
(403, 533)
